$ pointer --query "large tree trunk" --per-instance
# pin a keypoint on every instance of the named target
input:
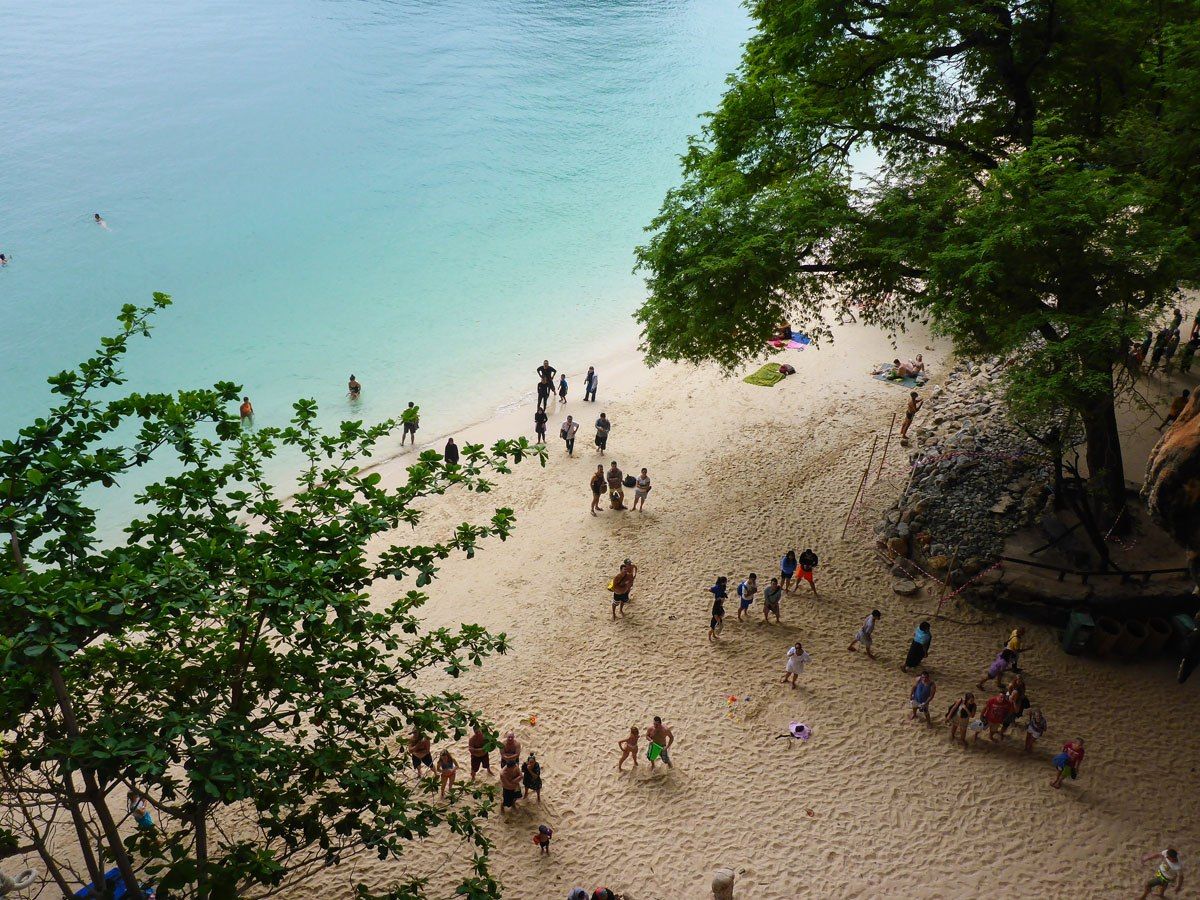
(1106, 468)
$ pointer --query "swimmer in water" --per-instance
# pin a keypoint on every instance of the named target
(354, 387)
(100, 221)
(3, 260)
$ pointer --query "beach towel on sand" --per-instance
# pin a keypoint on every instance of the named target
(768, 376)
(909, 383)
(798, 342)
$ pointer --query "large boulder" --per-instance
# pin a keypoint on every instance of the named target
(1172, 486)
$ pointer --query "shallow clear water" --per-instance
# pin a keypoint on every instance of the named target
(432, 195)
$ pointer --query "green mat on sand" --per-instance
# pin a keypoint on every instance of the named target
(768, 376)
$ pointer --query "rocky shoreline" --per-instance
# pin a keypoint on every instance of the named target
(976, 479)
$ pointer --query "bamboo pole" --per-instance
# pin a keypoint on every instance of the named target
(861, 483)
(886, 444)
(946, 583)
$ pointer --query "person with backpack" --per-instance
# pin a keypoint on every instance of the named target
(747, 590)
(808, 562)
(567, 432)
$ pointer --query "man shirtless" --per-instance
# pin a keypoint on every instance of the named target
(418, 749)
(510, 784)
(660, 734)
(914, 406)
(510, 752)
(622, 585)
(477, 746)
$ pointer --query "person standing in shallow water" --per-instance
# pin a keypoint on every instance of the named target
(353, 388)
(246, 411)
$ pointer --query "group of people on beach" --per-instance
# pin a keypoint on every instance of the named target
(792, 570)
(1159, 349)
(517, 779)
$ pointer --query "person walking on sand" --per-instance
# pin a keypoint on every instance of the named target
(418, 751)
(914, 406)
(1002, 663)
(447, 771)
(246, 411)
(629, 748)
(787, 568)
(353, 388)
(450, 454)
(959, 717)
(622, 584)
(797, 658)
(1169, 871)
(590, 383)
(410, 417)
(603, 427)
(746, 590)
(995, 711)
(1016, 643)
(615, 484)
(660, 737)
(919, 648)
(597, 485)
(865, 635)
(544, 389)
(922, 694)
(1068, 762)
(510, 752)
(562, 388)
(771, 597)
(510, 786)
(477, 747)
(717, 622)
(807, 563)
(531, 776)
(641, 488)
(539, 425)
(1034, 729)
(567, 432)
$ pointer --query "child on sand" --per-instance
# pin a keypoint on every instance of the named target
(542, 838)
(1068, 761)
(1034, 730)
(796, 659)
(746, 591)
(865, 634)
(629, 748)
(1169, 871)
(959, 717)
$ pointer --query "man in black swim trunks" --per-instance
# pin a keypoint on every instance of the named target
(418, 749)
(411, 418)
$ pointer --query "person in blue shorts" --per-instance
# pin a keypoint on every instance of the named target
(747, 590)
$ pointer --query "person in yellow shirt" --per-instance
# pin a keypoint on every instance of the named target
(1016, 643)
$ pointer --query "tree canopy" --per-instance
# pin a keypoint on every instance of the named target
(221, 660)
(1032, 192)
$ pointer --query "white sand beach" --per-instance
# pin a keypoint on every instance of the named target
(873, 805)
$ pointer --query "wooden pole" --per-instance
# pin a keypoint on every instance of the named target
(946, 583)
(861, 483)
(886, 444)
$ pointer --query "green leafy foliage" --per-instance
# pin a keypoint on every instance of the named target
(224, 657)
(1034, 193)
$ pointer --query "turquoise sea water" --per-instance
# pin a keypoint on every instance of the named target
(432, 195)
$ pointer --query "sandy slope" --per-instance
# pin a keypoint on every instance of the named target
(742, 473)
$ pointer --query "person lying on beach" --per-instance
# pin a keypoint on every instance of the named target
(1001, 664)
(922, 694)
(796, 660)
(771, 597)
(629, 748)
(353, 388)
(919, 648)
(746, 591)
(1169, 871)
(1068, 762)
(959, 717)
(865, 634)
